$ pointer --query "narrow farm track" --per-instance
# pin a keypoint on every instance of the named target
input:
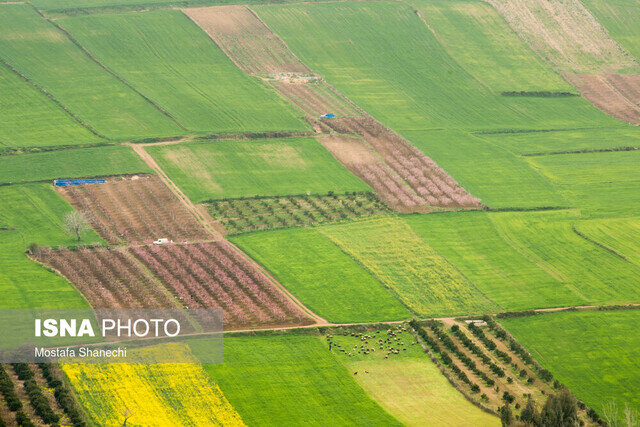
(200, 213)
(212, 226)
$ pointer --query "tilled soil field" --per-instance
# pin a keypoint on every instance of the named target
(316, 98)
(403, 176)
(246, 40)
(615, 94)
(200, 275)
(214, 274)
(135, 210)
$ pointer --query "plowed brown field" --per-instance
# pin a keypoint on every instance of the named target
(246, 40)
(136, 210)
(615, 94)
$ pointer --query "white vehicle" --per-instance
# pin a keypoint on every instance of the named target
(161, 242)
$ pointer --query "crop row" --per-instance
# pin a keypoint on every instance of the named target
(134, 210)
(414, 178)
(40, 410)
(249, 214)
(444, 357)
(108, 278)
(208, 275)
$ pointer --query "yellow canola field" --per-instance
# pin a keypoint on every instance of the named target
(152, 394)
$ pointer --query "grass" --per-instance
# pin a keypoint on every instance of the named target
(76, 163)
(566, 140)
(480, 40)
(163, 394)
(30, 119)
(183, 71)
(385, 59)
(471, 242)
(252, 214)
(621, 235)
(600, 184)
(499, 178)
(621, 18)
(37, 212)
(43, 53)
(594, 353)
(290, 380)
(418, 275)
(547, 238)
(34, 213)
(274, 167)
(408, 385)
(323, 277)
(25, 284)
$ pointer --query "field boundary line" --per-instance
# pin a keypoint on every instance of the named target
(319, 320)
(108, 70)
(206, 223)
(585, 151)
(600, 245)
(53, 99)
(203, 217)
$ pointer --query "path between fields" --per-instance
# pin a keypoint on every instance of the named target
(200, 213)
(212, 226)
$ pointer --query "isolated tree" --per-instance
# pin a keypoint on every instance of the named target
(75, 225)
(126, 413)
(506, 417)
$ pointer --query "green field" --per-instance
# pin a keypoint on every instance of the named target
(273, 167)
(37, 211)
(25, 284)
(76, 163)
(587, 269)
(594, 353)
(566, 140)
(472, 243)
(290, 380)
(600, 184)
(42, 53)
(408, 385)
(621, 18)
(183, 71)
(480, 40)
(385, 59)
(31, 119)
(34, 214)
(499, 178)
(325, 279)
(621, 235)
(419, 276)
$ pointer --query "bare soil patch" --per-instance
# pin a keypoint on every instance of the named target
(566, 34)
(404, 176)
(137, 209)
(315, 98)
(246, 40)
(616, 94)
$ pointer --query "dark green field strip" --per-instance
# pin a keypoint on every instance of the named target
(47, 57)
(74, 163)
(182, 72)
(290, 380)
